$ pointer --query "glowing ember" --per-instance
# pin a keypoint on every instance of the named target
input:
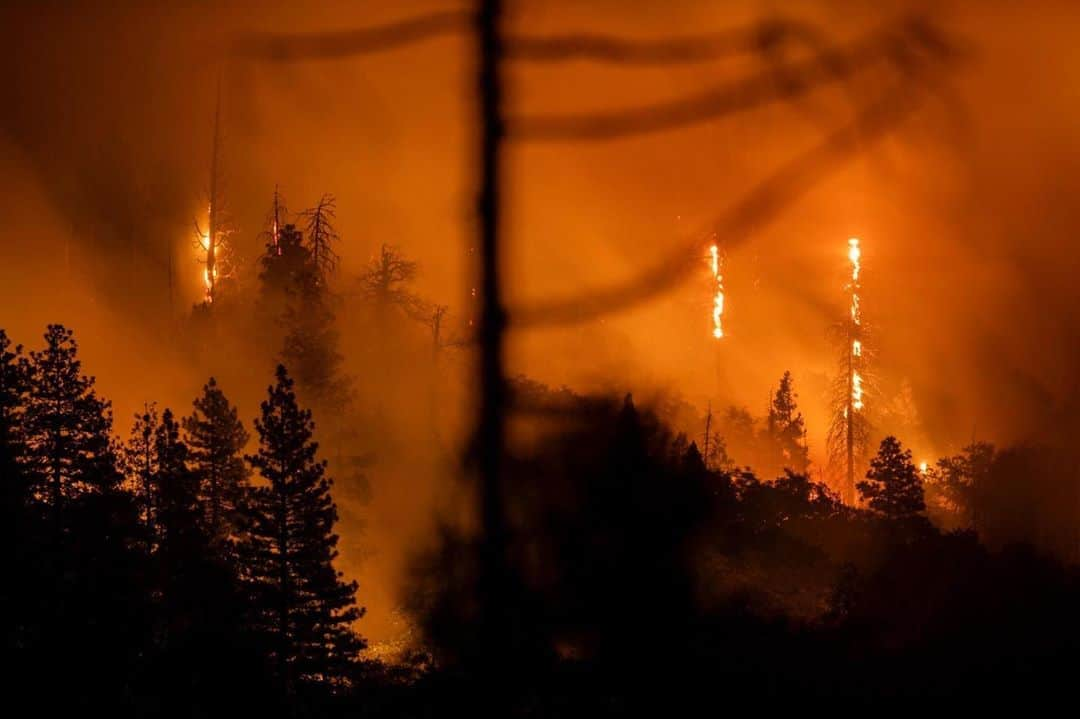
(718, 297)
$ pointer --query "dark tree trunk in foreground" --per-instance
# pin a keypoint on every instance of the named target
(490, 425)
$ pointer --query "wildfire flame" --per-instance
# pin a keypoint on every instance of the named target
(856, 391)
(718, 296)
(210, 267)
(855, 256)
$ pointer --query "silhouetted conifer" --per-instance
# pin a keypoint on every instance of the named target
(958, 482)
(285, 263)
(301, 603)
(13, 491)
(13, 386)
(200, 635)
(139, 460)
(285, 259)
(297, 302)
(67, 428)
(87, 602)
(893, 487)
(183, 547)
(787, 430)
(177, 501)
(311, 346)
(216, 439)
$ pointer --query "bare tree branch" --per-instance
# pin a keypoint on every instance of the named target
(289, 47)
(595, 47)
(772, 84)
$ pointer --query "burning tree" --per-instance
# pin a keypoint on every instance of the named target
(311, 343)
(914, 50)
(296, 306)
(275, 220)
(284, 259)
(716, 263)
(849, 431)
(213, 240)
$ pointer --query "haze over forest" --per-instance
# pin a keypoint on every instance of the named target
(964, 211)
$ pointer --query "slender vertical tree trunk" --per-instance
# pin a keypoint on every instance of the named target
(490, 429)
(284, 647)
(708, 432)
(850, 488)
(212, 230)
(283, 604)
(56, 489)
(148, 495)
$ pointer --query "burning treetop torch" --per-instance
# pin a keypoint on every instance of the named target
(209, 241)
(855, 255)
(718, 295)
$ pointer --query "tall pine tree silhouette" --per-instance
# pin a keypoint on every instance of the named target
(177, 490)
(311, 343)
(13, 491)
(787, 430)
(13, 370)
(284, 260)
(301, 603)
(87, 588)
(216, 438)
(182, 544)
(140, 464)
(67, 427)
(200, 631)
